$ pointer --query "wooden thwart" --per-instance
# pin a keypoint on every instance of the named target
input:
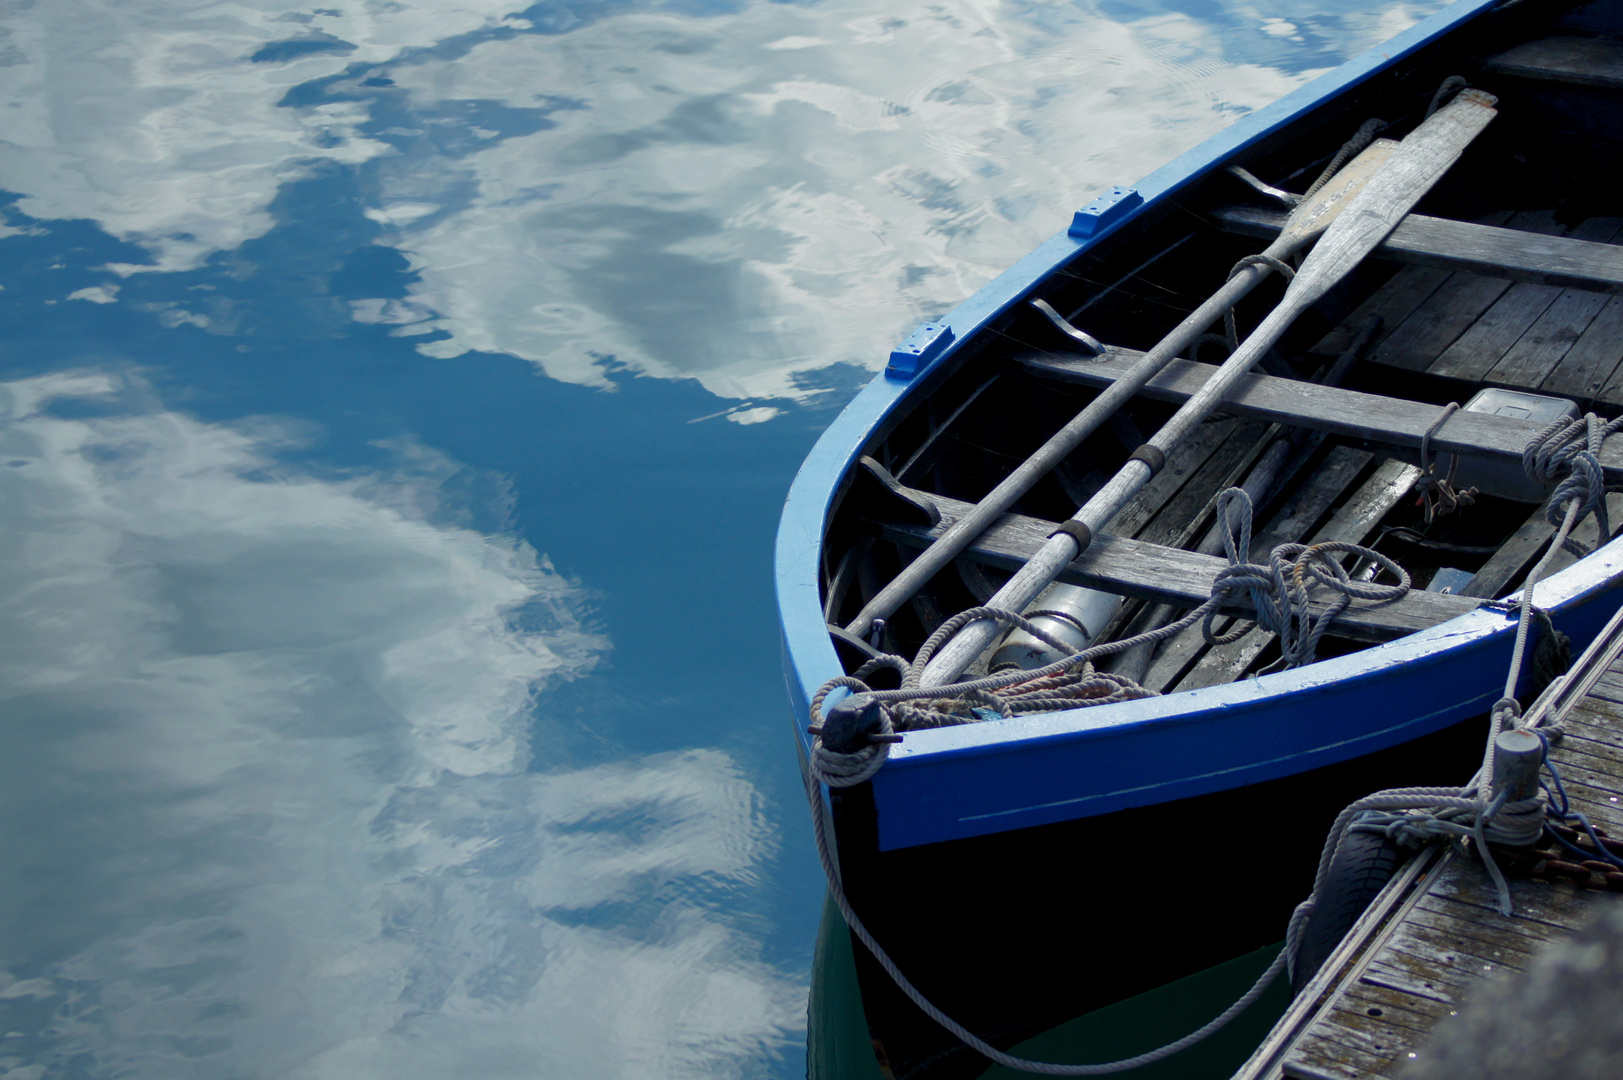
(1487, 250)
(1387, 421)
(1577, 60)
(1168, 575)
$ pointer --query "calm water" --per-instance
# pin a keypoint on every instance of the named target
(397, 400)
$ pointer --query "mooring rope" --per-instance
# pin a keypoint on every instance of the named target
(1279, 590)
(1566, 453)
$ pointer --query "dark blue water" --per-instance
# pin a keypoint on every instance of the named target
(398, 396)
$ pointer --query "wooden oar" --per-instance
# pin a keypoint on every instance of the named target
(1419, 161)
(1310, 218)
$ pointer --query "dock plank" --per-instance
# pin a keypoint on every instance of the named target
(1432, 950)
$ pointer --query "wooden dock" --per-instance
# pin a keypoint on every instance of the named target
(1434, 939)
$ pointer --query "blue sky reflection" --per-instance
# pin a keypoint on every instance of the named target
(266, 776)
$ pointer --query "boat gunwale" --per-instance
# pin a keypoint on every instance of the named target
(809, 656)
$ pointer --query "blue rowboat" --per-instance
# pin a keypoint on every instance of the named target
(1499, 290)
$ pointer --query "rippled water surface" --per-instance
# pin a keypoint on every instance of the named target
(397, 398)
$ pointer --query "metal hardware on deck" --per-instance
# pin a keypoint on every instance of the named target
(1108, 209)
(1516, 760)
(1285, 198)
(1082, 338)
(918, 349)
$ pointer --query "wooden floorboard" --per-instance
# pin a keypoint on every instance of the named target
(1589, 370)
(1452, 309)
(1501, 324)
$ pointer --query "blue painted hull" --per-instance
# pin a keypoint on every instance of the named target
(974, 780)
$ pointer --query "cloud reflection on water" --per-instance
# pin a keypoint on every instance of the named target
(265, 794)
(741, 197)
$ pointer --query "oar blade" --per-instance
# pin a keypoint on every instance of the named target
(1315, 213)
(1412, 170)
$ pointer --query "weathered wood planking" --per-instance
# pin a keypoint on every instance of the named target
(1447, 939)
(1168, 575)
(1451, 309)
(1579, 60)
(1589, 370)
(1387, 421)
(1520, 339)
(1511, 254)
(1394, 301)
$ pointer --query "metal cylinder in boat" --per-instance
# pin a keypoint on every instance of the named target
(1068, 613)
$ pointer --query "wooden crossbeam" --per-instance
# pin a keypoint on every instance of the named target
(1512, 254)
(1374, 418)
(1581, 61)
(1163, 574)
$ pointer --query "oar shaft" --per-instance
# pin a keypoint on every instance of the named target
(1417, 164)
(950, 544)
(1043, 567)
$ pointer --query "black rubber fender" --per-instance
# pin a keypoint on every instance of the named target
(1362, 866)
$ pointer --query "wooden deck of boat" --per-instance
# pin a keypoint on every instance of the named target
(1435, 938)
(1525, 300)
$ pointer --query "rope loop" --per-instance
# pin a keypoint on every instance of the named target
(1567, 453)
(1361, 138)
(1280, 590)
(1438, 492)
(1265, 261)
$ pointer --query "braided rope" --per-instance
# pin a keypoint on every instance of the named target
(1266, 261)
(1361, 138)
(1438, 492)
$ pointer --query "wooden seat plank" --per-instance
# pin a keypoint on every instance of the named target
(1583, 61)
(1524, 249)
(1387, 421)
(1167, 575)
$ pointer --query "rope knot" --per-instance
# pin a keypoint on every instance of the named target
(1438, 493)
(1567, 453)
(1279, 591)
